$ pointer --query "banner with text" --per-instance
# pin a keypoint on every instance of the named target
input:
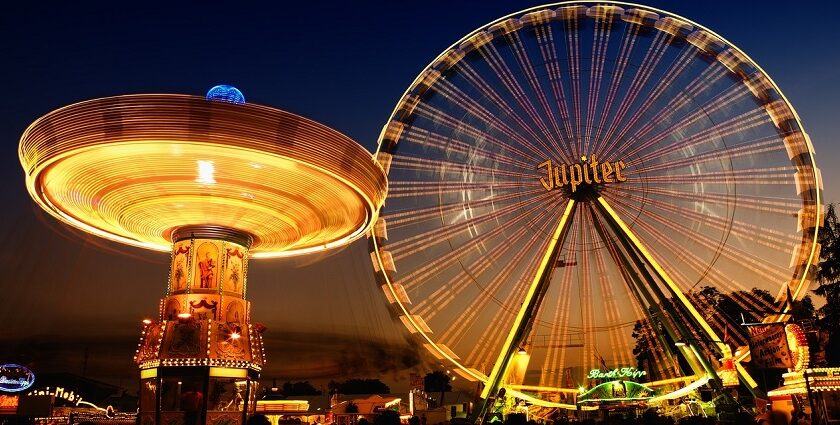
(769, 346)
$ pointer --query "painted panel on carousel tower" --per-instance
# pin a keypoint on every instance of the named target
(234, 276)
(230, 342)
(206, 270)
(151, 344)
(184, 339)
(174, 306)
(204, 307)
(234, 311)
(180, 266)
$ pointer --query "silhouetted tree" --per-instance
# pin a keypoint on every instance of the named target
(828, 276)
(642, 350)
(359, 386)
(436, 381)
(299, 388)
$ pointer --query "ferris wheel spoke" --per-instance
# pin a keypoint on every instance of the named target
(444, 144)
(501, 321)
(447, 293)
(708, 135)
(766, 268)
(710, 274)
(545, 39)
(422, 240)
(584, 295)
(571, 25)
(623, 58)
(466, 170)
(663, 275)
(491, 121)
(755, 264)
(644, 313)
(441, 166)
(658, 91)
(493, 337)
(749, 148)
(765, 205)
(427, 270)
(679, 104)
(764, 236)
(455, 333)
(647, 306)
(706, 80)
(557, 345)
(600, 43)
(617, 342)
(510, 82)
(783, 175)
(436, 189)
(652, 58)
(528, 70)
(401, 218)
(478, 82)
(532, 298)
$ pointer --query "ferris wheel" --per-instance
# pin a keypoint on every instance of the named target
(563, 183)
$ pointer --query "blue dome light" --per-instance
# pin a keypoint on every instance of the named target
(226, 93)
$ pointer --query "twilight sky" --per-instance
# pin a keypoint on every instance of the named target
(344, 64)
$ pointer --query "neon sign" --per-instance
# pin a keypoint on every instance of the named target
(588, 171)
(14, 378)
(624, 372)
(70, 396)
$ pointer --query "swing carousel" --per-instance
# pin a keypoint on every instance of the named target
(214, 181)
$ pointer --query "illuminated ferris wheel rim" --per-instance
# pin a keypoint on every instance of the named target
(277, 161)
(817, 178)
(391, 133)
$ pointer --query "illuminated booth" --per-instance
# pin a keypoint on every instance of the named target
(214, 181)
(807, 389)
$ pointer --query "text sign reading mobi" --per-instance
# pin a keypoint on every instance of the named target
(588, 171)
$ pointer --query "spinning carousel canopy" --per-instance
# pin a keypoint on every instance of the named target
(136, 168)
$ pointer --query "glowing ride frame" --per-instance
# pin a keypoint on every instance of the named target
(266, 161)
(383, 262)
(211, 180)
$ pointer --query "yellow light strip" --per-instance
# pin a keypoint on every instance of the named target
(502, 361)
(228, 372)
(543, 388)
(682, 391)
(148, 373)
(726, 352)
(673, 380)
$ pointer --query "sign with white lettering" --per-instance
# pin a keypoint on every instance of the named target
(624, 372)
(14, 378)
(769, 346)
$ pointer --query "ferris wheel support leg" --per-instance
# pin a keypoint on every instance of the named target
(525, 317)
(642, 293)
(724, 349)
